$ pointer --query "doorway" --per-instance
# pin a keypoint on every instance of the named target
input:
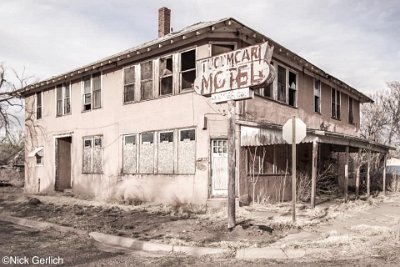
(219, 168)
(63, 163)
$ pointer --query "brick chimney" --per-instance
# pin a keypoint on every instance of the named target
(164, 21)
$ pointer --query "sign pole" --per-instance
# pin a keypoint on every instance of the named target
(294, 168)
(231, 165)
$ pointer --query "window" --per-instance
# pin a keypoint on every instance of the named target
(39, 105)
(92, 92)
(37, 153)
(166, 76)
(165, 161)
(281, 84)
(336, 101)
(63, 95)
(129, 164)
(129, 84)
(265, 92)
(292, 88)
(92, 154)
(188, 69)
(351, 115)
(217, 49)
(317, 96)
(187, 151)
(146, 80)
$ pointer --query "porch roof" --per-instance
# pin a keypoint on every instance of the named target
(260, 134)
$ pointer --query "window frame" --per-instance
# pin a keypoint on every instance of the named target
(320, 95)
(171, 75)
(37, 107)
(182, 90)
(63, 98)
(351, 110)
(187, 129)
(146, 80)
(336, 99)
(92, 98)
(288, 87)
(235, 46)
(135, 66)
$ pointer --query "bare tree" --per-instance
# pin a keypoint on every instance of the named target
(11, 103)
(256, 168)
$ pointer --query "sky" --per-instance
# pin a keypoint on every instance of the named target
(356, 41)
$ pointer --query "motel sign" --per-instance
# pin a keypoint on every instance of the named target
(241, 68)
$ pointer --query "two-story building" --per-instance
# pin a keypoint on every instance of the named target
(130, 126)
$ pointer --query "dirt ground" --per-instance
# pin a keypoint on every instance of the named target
(363, 232)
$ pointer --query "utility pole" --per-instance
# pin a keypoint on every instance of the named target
(231, 165)
(294, 168)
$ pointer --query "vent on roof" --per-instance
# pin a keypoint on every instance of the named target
(164, 21)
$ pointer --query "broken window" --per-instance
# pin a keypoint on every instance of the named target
(281, 84)
(317, 96)
(292, 88)
(217, 49)
(146, 80)
(187, 151)
(166, 76)
(63, 96)
(188, 69)
(336, 101)
(39, 105)
(264, 92)
(92, 155)
(129, 84)
(351, 115)
(166, 153)
(92, 92)
(146, 155)
(129, 164)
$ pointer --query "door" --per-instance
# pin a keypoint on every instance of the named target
(219, 168)
(63, 163)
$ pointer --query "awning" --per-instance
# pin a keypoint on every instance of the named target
(37, 151)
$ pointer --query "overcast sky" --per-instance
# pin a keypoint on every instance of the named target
(356, 41)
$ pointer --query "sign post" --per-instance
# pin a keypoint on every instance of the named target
(293, 132)
(228, 78)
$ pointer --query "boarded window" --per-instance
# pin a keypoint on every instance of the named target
(146, 157)
(129, 84)
(351, 115)
(217, 49)
(292, 88)
(39, 105)
(187, 152)
(92, 155)
(166, 74)
(317, 96)
(281, 84)
(146, 77)
(188, 69)
(129, 164)
(166, 153)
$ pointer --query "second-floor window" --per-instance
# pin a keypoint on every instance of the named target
(336, 101)
(317, 96)
(63, 95)
(166, 76)
(281, 84)
(92, 92)
(292, 84)
(39, 105)
(146, 80)
(351, 115)
(129, 84)
(188, 69)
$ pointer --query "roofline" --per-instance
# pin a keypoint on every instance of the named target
(174, 38)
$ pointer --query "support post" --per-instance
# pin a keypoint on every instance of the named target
(384, 174)
(231, 165)
(368, 174)
(346, 176)
(294, 168)
(314, 172)
(358, 166)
